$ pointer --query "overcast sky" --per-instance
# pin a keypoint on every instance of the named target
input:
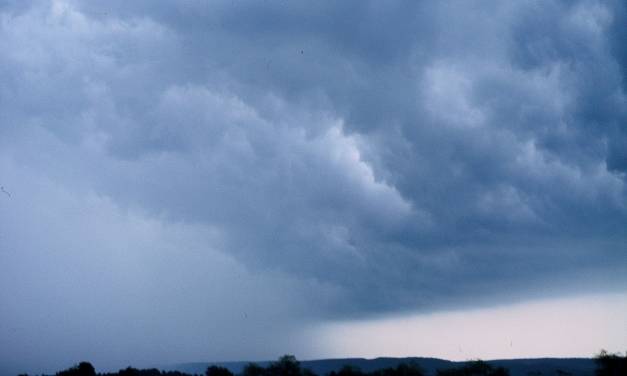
(224, 180)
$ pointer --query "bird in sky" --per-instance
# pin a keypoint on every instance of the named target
(5, 191)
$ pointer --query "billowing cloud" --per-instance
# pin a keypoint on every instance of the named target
(344, 159)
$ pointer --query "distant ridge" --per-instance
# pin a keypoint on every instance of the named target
(517, 367)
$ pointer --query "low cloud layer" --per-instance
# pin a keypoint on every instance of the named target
(221, 172)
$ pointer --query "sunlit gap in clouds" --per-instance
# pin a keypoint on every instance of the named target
(568, 327)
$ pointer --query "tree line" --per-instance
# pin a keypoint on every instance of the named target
(607, 365)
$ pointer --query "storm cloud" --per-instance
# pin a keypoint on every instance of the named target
(242, 167)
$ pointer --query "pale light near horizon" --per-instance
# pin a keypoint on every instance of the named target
(570, 327)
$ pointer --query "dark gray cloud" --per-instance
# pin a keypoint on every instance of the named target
(315, 161)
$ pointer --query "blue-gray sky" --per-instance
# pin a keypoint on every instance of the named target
(213, 180)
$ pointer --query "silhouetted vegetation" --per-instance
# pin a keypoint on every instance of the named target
(606, 365)
(611, 364)
(475, 368)
(286, 365)
(347, 371)
(81, 369)
(253, 369)
(403, 369)
(86, 369)
(130, 371)
(218, 371)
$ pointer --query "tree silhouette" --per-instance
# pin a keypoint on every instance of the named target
(253, 369)
(287, 365)
(81, 369)
(611, 364)
(218, 371)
